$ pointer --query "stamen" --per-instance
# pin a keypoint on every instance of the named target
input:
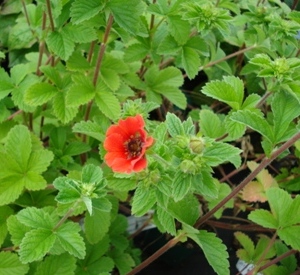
(133, 146)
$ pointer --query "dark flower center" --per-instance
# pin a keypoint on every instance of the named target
(134, 146)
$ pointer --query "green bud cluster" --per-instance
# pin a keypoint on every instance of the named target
(196, 145)
(188, 167)
(87, 189)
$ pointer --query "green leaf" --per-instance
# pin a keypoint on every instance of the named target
(174, 125)
(22, 165)
(18, 146)
(284, 109)
(229, 91)
(186, 210)
(89, 128)
(76, 148)
(166, 220)
(71, 240)
(223, 191)
(234, 129)
(220, 152)
(168, 46)
(82, 10)
(6, 85)
(170, 76)
(77, 62)
(35, 218)
(81, 92)
(281, 203)
(40, 93)
(190, 62)
(290, 235)
(205, 184)
(211, 124)
(238, 87)
(19, 92)
(11, 265)
(128, 18)
(247, 244)
(118, 226)
(16, 229)
(135, 52)
(121, 184)
(144, 198)
(80, 33)
(213, 249)
(110, 78)
(254, 121)
(69, 191)
(264, 218)
(95, 262)
(5, 212)
(290, 263)
(181, 185)
(176, 96)
(96, 225)
(36, 244)
(166, 83)
(123, 261)
(60, 44)
(91, 174)
(61, 110)
(178, 28)
(107, 102)
(251, 101)
(63, 264)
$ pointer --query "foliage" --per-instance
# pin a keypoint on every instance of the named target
(74, 71)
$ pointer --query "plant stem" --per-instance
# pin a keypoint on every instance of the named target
(66, 216)
(48, 4)
(102, 49)
(265, 162)
(14, 114)
(157, 254)
(278, 259)
(295, 4)
(91, 50)
(210, 64)
(41, 47)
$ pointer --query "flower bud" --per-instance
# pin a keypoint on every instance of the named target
(196, 145)
(188, 167)
(154, 176)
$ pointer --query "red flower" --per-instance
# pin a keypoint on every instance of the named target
(126, 144)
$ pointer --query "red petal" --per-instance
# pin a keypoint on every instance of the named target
(121, 165)
(140, 165)
(131, 125)
(149, 141)
(114, 143)
(111, 157)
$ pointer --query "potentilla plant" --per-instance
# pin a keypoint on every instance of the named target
(100, 122)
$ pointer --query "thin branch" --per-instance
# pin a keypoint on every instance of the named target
(210, 64)
(15, 114)
(48, 4)
(153, 257)
(41, 47)
(278, 259)
(66, 216)
(102, 48)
